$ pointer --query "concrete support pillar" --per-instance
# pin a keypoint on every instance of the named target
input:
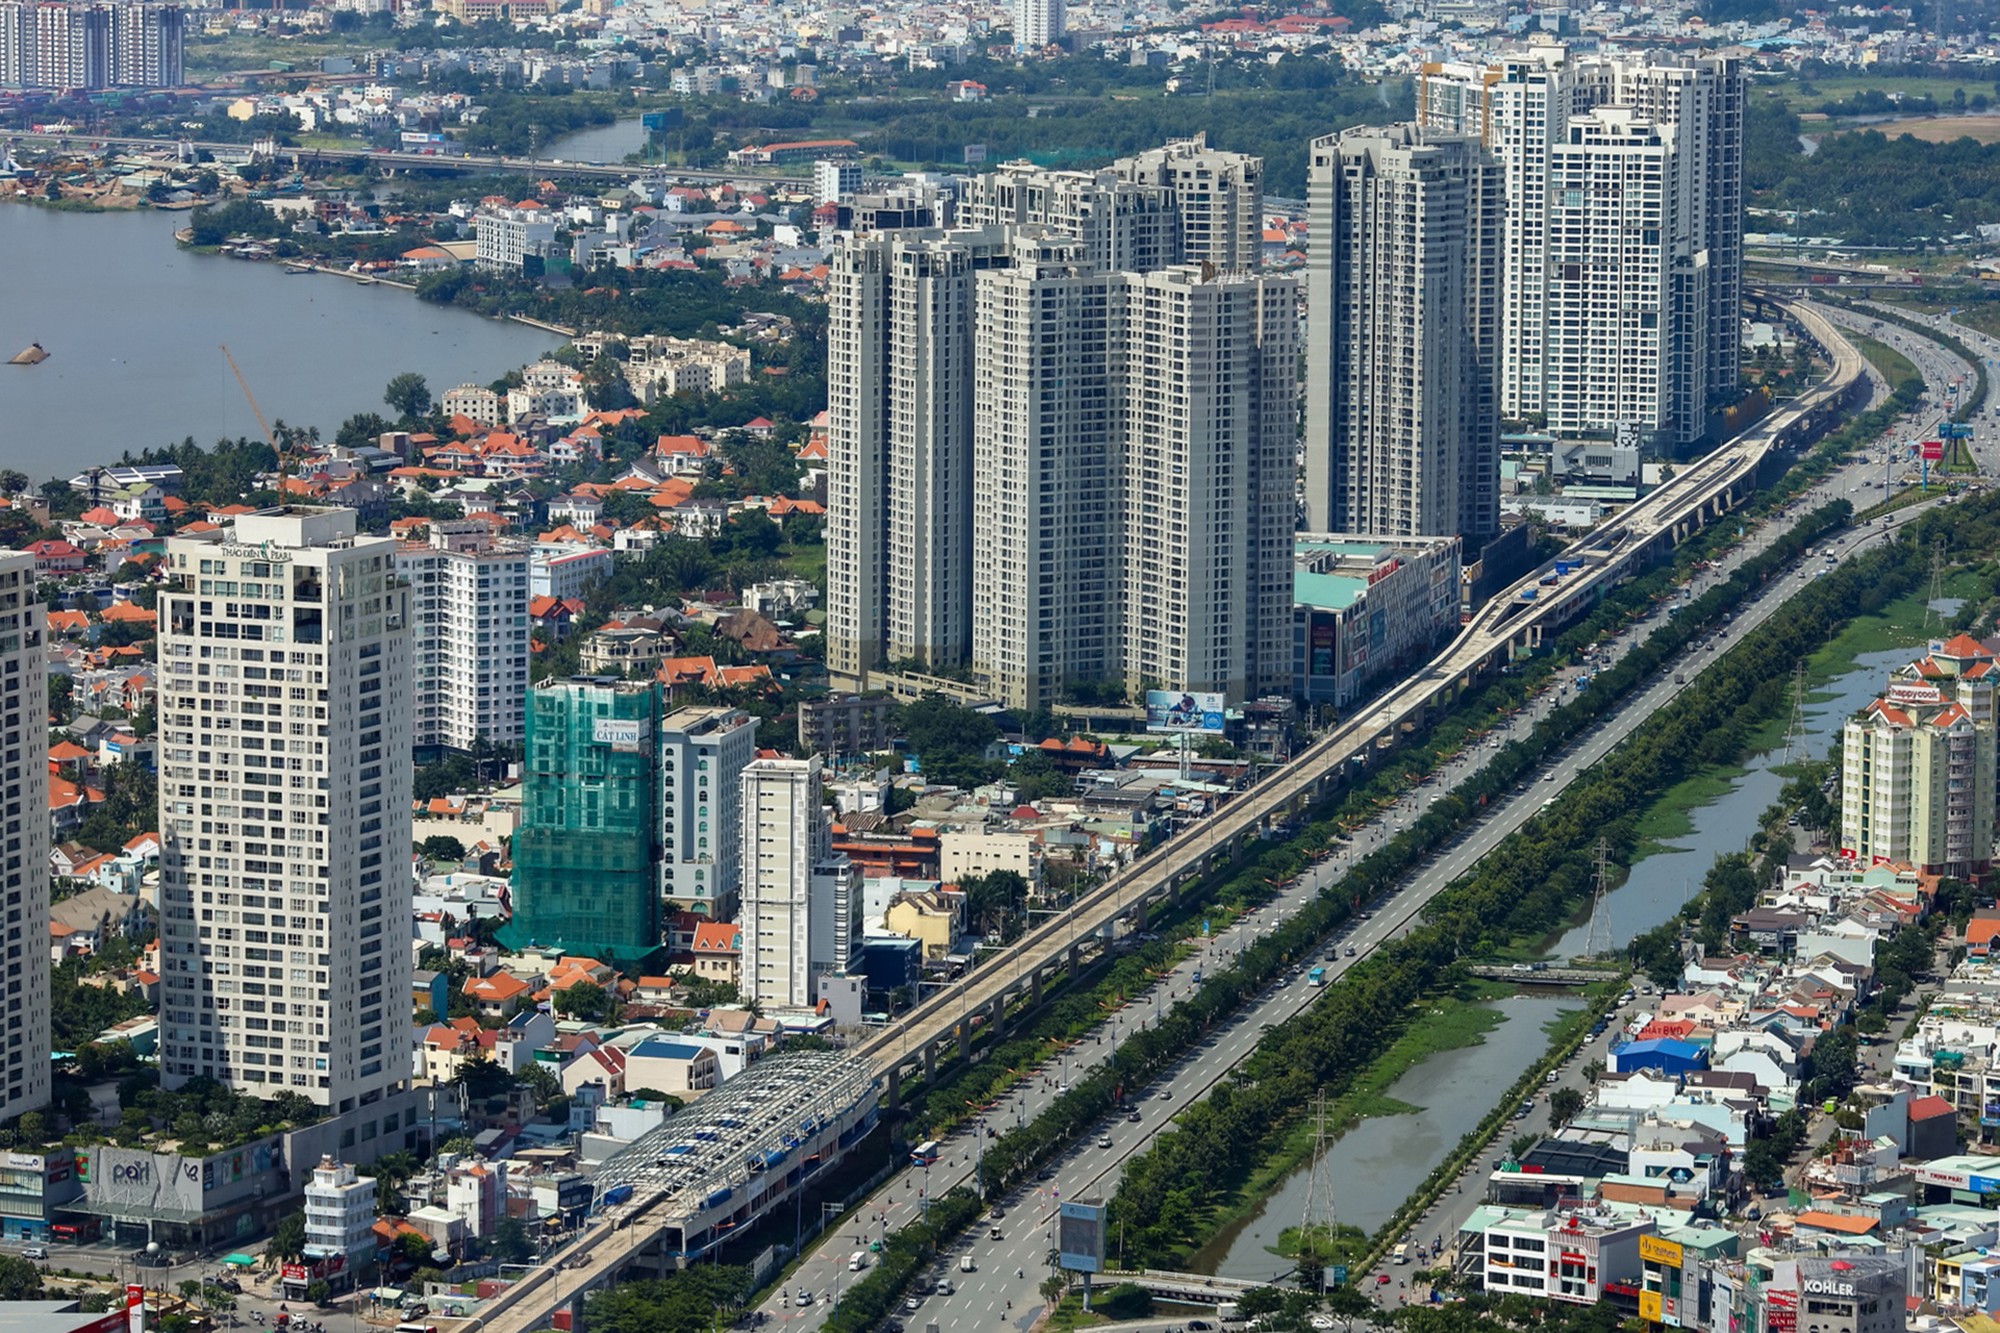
(929, 1062)
(892, 1091)
(1035, 986)
(996, 1016)
(1075, 953)
(965, 1038)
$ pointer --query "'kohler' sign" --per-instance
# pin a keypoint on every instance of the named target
(1825, 1286)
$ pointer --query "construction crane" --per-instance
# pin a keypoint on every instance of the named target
(269, 438)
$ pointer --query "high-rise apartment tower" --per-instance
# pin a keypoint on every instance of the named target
(284, 705)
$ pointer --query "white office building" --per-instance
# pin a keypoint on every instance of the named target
(702, 754)
(1402, 436)
(340, 1221)
(801, 904)
(284, 703)
(24, 852)
(469, 635)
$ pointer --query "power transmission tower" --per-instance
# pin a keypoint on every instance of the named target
(1600, 938)
(1319, 1197)
(1797, 744)
(1931, 607)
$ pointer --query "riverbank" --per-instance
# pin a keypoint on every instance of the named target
(315, 353)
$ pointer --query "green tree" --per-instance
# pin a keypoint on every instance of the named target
(511, 1243)
(19, 1280)
(687, 1302)
(586, 1001)
(363, 428)
(408, 395)
(442, 847)
(1564, 1104)
(288, 1238)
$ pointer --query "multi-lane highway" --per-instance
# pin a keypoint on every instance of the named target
(1702, 490)
(1008, 1258)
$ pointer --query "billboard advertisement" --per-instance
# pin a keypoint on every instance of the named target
(131, 1178)
(1177, 710)
(1932, 451)
(1324, 633)
(1080, 1237)
(1653, 1250)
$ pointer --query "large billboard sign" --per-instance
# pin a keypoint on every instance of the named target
(1177, 710)
(1080, 1237)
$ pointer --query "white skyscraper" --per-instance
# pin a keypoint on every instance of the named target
(1057, 453)
(469, 635)
(899, 449)
(1204, 392)
(1217, 196)
(1401, 429)
(284, 705)
(24, 852)
(1037, 24)
(801, 903)
(1621, 253)
(702, 755)
(1044, 592)
(1526, 110)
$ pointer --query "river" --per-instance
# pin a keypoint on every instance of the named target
(1379, 1162)
(1659, 883)
(133, 324)
(1376, 1165)
(606, 144)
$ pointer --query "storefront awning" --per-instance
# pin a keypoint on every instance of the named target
(239, 1260)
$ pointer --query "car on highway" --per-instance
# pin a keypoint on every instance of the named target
(1104, 1141)
(802, 1298)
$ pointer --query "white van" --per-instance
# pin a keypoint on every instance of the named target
(857, 1261)
(1402, 1254)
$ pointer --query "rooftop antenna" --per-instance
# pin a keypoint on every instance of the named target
(1600, 939)
(284, 470)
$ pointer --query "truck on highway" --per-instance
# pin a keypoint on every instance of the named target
(1316, 977)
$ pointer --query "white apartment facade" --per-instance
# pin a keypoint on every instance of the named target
(475, 403)
(1630, 289)
(469, 636)
(1523, 108)
(1044, 588)
(506, 237)
(899, 449)
(1204, 390)
(1037, 24)
(340, 1216)
(1917, 765)
(1216, 196)
(702, 754)
(284, 693)
(1006, 400)
(1402, 435)
(24, 851)
(801, 904)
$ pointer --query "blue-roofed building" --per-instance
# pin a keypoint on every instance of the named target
(1363, 606)
(677, 1068)
(1664, 1054)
